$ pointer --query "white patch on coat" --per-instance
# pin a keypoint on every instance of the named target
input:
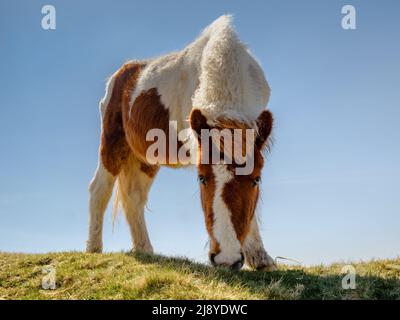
(223, 229)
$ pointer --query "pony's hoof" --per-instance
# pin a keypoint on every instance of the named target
(268, 264)
(143, 249)
(268, 268)
(94, 248)
(260, 260)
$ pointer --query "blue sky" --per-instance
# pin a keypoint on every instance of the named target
(331, 185)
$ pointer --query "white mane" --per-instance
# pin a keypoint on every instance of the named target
(231, 81)
(215, 73)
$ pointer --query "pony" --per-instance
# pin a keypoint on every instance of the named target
(214, 83)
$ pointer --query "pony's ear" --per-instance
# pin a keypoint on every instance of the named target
(198, 121)
(264, 124)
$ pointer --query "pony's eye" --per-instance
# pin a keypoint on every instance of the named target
(256, 181)
(202, 179)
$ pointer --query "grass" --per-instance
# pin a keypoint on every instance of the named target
(140, 276)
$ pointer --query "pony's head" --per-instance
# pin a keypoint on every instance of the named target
(229, 198)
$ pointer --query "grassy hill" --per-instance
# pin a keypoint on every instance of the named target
(139, 276)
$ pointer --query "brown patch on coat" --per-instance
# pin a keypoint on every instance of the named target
(146, 113)
(114, 149)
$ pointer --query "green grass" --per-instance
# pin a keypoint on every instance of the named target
(139, 276)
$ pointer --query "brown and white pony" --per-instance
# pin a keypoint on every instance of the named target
(214, 83)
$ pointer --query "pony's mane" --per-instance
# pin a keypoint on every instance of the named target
(223, 22)
(231, 82)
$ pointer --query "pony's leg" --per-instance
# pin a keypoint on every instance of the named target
(254, 252)
(134, 184)
(100, 190)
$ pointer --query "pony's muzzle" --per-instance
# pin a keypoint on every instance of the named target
(236, 266)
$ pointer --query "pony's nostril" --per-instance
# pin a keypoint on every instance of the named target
(212, 259)
(238, 264)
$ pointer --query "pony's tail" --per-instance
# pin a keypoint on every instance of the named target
(120, 196)
(120, 199)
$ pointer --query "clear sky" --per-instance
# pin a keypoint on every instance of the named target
(331, 187)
